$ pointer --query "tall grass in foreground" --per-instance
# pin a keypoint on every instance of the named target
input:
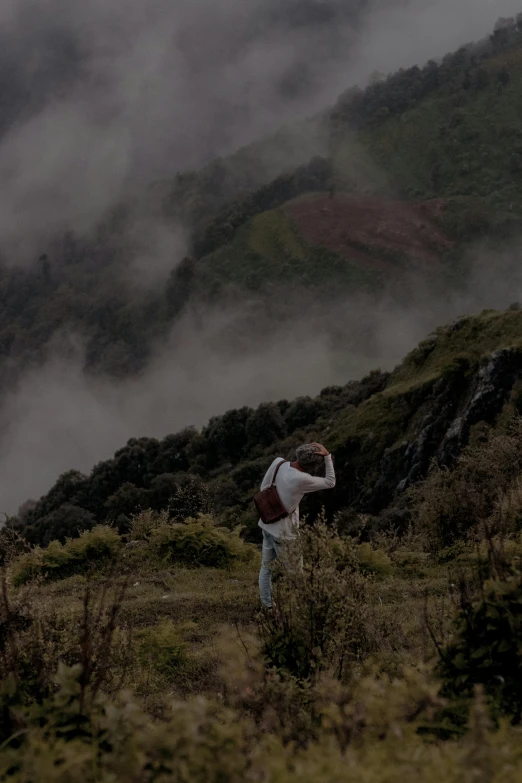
(334, 685)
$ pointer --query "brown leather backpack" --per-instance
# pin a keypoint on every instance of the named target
(268, 502)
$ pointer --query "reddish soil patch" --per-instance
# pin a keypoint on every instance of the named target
(372, 232)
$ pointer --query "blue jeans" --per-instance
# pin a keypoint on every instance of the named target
(272, 548)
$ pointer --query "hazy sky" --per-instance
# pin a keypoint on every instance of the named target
(106, 95)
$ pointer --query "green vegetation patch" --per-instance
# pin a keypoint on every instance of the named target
(468, 340)
(392, 417)
(486, 650)
(163, 647)
(463, 140)
(268, 251)
(196, 544)
(93, 549)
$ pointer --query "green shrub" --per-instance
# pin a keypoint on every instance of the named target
(367, 736)
(162, 648)
(78, 555)
(481, 492)
(411, 564)
(487, 648)
(363, 557)
(36, 638)
(65, 741)
(373, 561)
(143, 524)
(199, 543)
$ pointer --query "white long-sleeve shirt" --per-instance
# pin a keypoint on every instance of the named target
(292, 485)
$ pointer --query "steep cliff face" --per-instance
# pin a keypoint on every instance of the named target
(465, 374)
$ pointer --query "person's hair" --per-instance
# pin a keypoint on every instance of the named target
(308, 456)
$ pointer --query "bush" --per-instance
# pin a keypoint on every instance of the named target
(162, 648)
(35, 640)
(481, 494)
(487, 648)
(373, 561)
(364, 557)
(145, 522)
(63, 742)
(91, 550)
(190, 497)
(368, 728)
(199, 543)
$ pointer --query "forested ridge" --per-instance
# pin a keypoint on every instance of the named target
(385, 430)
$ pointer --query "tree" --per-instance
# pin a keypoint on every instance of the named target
(67, 521)
(70, 488)
(172, 456)
(128, 500)
(436, 177)
(103, 482)
(24, 509)
(134, 461)
(265, 426)
(482, 79)
(226, 436)
(163, 489)
(190, 497)
(504, 76)
(301, 413)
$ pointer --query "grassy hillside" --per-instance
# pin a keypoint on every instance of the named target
(268, 251)
(449, 129)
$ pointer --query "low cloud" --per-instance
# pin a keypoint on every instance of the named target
(59, 418)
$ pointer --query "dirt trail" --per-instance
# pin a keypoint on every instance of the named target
(372, 232)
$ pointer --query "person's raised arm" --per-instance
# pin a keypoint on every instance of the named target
(317, 483)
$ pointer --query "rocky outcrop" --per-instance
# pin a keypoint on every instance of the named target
(457, 401)
(489, 392)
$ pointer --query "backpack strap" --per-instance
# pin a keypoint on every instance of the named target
(277, 471)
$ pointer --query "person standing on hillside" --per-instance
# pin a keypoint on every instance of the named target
(293, 481)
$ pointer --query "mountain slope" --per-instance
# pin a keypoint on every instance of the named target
(431, 135)
(372, 232)
(446, 134)
(464, 142)
(330, 244)
(384, 431)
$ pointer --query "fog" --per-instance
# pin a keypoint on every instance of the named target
(399, 35)
(134, 92)
(60, 418)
